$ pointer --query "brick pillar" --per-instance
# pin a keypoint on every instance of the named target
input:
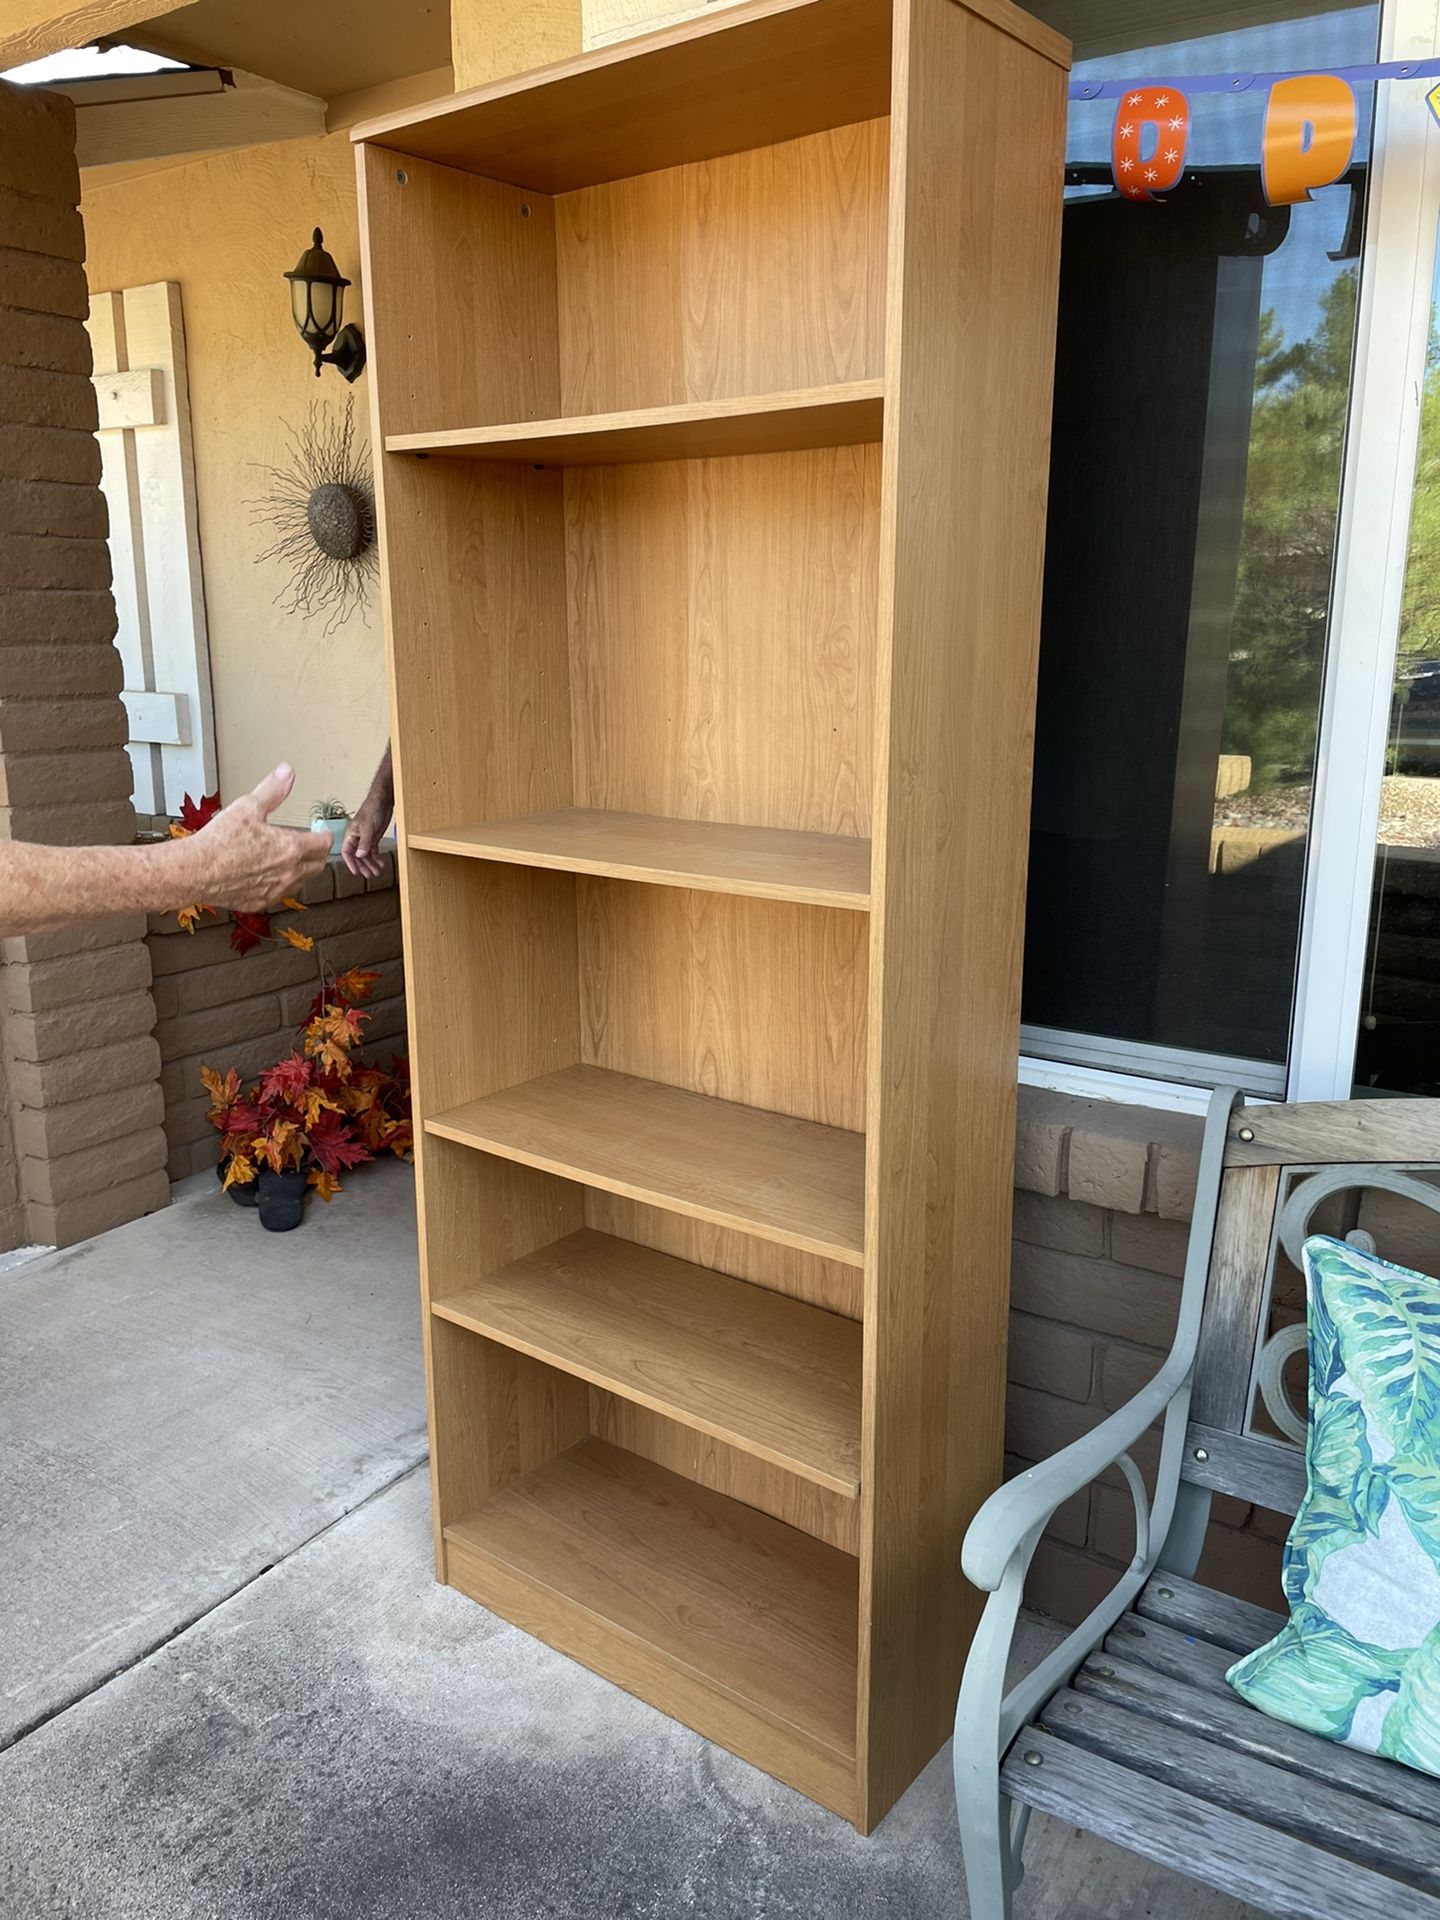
(82, 1105)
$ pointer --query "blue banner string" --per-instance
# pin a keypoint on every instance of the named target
(1248, 82)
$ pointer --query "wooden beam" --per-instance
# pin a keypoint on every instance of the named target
(35, 28)
(248, 114)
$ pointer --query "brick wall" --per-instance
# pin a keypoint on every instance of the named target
(82, 1149)
(1102, 1209)
(226, 1010)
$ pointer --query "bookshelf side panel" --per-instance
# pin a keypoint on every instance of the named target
(471, 583)
(460, 295)
(976, 174)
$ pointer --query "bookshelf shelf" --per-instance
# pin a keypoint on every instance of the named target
(742, 1625)
(779, 1178)
(774, 1377)
(842, 416)
(821, 869)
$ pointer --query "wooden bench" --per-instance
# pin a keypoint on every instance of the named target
(1128, 1728)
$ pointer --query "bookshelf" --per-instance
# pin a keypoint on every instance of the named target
(711, 383)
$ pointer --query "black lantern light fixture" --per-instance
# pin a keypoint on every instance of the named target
(317, 299)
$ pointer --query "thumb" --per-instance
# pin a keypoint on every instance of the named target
(274, 788)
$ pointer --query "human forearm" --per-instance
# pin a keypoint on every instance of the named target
(237, 860)
(48, 886)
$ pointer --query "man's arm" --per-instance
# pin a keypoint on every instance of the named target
(360, 849)
(239, 860)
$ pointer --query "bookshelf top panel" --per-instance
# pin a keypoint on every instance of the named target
(747, 76)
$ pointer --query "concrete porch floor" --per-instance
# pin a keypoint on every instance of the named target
(230, 1688)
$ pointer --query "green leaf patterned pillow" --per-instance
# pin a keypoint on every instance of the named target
(1359, 1660)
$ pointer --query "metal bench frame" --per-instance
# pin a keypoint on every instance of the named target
(1263, 1172)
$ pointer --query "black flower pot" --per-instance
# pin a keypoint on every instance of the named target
(281, 1200)
(244, 1192)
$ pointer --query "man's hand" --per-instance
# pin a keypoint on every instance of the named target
(360, 849)
(239, 860)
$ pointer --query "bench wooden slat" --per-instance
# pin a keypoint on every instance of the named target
(1232, 1299)
(1362, 1133)
(1181, 1655)
(1227, 1720)
(1244, 1858)
(1248, 1465)
(1217, 1617)
(1323, 1813)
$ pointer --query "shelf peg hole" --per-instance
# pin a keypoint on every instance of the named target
(402, 178)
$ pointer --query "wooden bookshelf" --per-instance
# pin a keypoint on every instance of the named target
(823, 869)
(711, 374)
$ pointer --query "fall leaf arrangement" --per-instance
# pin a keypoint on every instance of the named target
(317, 1112)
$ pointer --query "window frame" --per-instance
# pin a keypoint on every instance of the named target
(1392, 333)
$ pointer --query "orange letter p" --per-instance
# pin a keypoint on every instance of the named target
(1309, 136)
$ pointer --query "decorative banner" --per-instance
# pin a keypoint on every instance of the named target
(1309, 135)
(1163, 112)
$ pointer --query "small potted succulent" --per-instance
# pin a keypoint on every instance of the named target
(328, 816)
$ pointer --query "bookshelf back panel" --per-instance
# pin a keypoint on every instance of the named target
(759, 1001)
(832, 1517)
(760, 272)
(722, 637)
(789, 1270)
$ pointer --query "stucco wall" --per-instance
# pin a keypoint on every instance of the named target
(226, 227)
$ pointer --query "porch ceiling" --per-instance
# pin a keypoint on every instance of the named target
(319, 50)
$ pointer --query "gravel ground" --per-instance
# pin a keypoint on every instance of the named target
(1409, 810)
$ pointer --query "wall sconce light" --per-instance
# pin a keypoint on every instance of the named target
(317, 299)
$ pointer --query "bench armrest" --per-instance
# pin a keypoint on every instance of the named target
(1025, 1504)
(1004, 1534)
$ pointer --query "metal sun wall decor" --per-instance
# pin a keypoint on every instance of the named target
(321, 506)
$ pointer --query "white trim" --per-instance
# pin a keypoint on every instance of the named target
(1162, 1066)
(1391, 336)
(1124, 1089)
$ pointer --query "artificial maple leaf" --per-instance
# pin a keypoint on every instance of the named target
(288, 1079)
(295, 906)
(187, 916)
(195, 814)
(248, 930)
(325, 1184)
(223, 1093)
(356, 983)
(332, 1148)
(400, 1138)
(315, 1102)
(280, 1144)
(239, 1173)
(301, 941)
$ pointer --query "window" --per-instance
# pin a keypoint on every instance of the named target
(1203, 384)
(1398, 1043)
